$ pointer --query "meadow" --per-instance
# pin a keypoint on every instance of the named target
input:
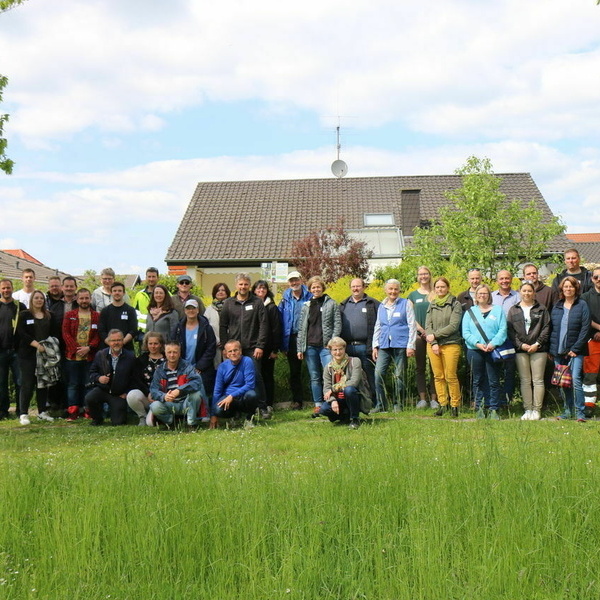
(407, 507)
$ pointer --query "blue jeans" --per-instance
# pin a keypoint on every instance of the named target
(349, 405)
(384, 357)
(574, 397)
(486, 378)
(366, 360)
(246, 404)
(317, 358)
(8, 364)
(189, 406)
(78, 378)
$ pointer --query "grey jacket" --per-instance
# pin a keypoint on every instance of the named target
(444, 321)
(331, 322)
(355, 377)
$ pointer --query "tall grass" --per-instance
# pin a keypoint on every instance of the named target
(404, 508)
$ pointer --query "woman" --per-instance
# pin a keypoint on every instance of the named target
(271, 350)
(344, 385)
(153, 355)
(220, 293)
(570, 319)
(320, 320)
(420, 299)
(484, 329)
(529, 330)
(393, 340)
(162, 316)
(37, 333)
(442, 331)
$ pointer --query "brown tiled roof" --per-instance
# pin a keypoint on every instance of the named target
(584, 237)
(259, 220)
(11, 267)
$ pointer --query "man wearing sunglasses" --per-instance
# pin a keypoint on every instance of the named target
(184, 285)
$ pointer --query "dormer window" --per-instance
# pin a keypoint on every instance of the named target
(379, 220)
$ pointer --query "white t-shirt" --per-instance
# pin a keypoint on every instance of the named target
(23, 296)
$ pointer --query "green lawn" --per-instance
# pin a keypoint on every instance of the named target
(407, 507)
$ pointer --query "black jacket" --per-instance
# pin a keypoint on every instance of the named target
(206, 344)
(122, 380)
(245, 322)
(539, 330)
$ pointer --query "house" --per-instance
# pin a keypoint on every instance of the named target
(13, 262)
(588, 245)
(231, 226)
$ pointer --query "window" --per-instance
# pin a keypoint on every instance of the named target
(378, 220)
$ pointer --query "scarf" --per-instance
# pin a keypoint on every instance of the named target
(218, 304)
(441, 301)
(339, 373)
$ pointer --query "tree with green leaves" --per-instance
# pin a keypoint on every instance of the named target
(481, 228)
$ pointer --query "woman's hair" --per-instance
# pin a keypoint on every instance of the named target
(529, 284)
(158, 336)
(44, 308)
(167, 304)
(217, 287)
(574, 282)
(315, 279)
(336, 341)
(441, 279)
(263, 283)
(484, 286)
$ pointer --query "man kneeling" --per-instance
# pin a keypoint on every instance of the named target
(176, 388)
(235, 387)
(344, 385)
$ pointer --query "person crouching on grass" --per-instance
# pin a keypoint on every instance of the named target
(235, 391)
(344, 385)
(176, 388)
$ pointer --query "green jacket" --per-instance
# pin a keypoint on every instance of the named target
(444, 321)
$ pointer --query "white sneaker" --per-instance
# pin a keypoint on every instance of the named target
(434, 404)
(526, 416)
(535, 416)
(24, 420)
(422, 404)
(44, 416)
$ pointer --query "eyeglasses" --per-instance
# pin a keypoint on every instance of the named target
(595, 277)
(185, 282)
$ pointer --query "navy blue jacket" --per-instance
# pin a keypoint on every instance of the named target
(122, 380)
(206, 344)
(578, 327)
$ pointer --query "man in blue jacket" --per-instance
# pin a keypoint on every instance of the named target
(176, 388)
(235, 387)
(290, 308)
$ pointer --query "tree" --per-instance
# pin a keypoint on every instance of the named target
(331, 253)
(482, 228)
(6, 164)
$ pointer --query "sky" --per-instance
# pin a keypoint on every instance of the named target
(119, 109)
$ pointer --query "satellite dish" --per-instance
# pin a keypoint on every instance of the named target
(339, 168)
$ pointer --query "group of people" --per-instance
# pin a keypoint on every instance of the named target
(214, 362)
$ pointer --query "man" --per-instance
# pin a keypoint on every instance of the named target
(113, 375)
(82, 340)
(176, 388)
(184, 285)
(23, 295)
(54, 293)
(243, 318)
(143, 297)
(505, 297)
(102, 296)
(467, 298)
(9, 314)
(235, 387)
(573, 268)
(543, 294)
(118, 315)
(198, 345)
(591, 363)
(393, 340)
(290, 308)
(359, 314)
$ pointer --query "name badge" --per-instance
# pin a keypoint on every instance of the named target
(29, 321)
(364, 310)
(249, 307)
(195, 336)
(94, 325)
(419, 300)
(125, 317)
(396, 314)
(492, 317)
(321, 309)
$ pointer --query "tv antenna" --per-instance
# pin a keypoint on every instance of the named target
(338, 167)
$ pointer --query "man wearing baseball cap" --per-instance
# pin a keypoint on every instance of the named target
(184, 285)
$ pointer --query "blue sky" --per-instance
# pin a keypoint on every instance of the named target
(118, 109)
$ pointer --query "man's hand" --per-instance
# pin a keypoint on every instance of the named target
(258, 352)
(225, 402)
(172, 395)
(410, 352)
